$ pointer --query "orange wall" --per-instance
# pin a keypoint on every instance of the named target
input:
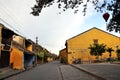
(63, 55)
(16, 57)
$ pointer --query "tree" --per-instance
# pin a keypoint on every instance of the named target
(110, 50)
(118, 53)
(99, 5)
(97, 49)
(40, 56)
(114, 23)
(43, 55)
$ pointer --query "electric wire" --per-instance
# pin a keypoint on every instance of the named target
(7, 11)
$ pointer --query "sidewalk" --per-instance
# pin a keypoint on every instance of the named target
(115, 62)
(105, 71)
(7, 72)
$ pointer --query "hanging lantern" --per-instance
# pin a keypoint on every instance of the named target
(106, 16)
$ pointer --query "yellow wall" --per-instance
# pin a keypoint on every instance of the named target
(16, 57)
(29, 48)
(78, 45)
(49, 59)
(70, 59)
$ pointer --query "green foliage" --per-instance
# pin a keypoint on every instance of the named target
(118, 53)
(39, 55)
(97, 49)
(46, 56)
(112, 6)
(63, 60)
(110, 50)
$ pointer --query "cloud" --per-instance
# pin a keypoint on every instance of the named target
(52, 29)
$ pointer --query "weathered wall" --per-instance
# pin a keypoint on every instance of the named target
(63, 56)
(78, 45)
(16, 58)
(19, 40)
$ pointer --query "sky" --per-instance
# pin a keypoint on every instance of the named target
(51, 28)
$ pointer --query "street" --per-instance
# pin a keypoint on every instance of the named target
(49, 71)
(70, 73)
(53, 71)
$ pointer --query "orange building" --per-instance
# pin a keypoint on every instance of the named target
(15, 51)
(17, 58)
(63, 56)
(21, 55)
(77, 46)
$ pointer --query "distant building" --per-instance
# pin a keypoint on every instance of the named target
(63, 56)
(77, 46)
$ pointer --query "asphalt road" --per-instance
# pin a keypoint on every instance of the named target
(71, 73)
(49, 71)
(53, 71)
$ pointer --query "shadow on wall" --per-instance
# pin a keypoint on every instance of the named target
(29, 60)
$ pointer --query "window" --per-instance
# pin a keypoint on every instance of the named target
(95, 41)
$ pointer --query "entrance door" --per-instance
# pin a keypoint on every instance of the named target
(5, 58)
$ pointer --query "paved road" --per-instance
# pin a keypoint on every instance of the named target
(105, 70)
(49, 71)
(71, 73)
(53, 71)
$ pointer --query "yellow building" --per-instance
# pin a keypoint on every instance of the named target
(77, 46)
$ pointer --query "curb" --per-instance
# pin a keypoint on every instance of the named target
(14, 74)
(115, 62)
(91, 73)
(11, 75)
(61, 73)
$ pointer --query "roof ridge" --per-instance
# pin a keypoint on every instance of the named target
(92, 29)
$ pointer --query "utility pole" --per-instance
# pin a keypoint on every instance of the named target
(36, 50)
(36, 40)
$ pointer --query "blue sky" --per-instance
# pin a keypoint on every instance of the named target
(52, 29)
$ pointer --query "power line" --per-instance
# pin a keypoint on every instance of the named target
(12, 27)
(7, 11)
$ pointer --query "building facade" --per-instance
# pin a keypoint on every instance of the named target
(77, 46)
(18, 52)
(15, 50)
(5, 45)
(63, 56)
